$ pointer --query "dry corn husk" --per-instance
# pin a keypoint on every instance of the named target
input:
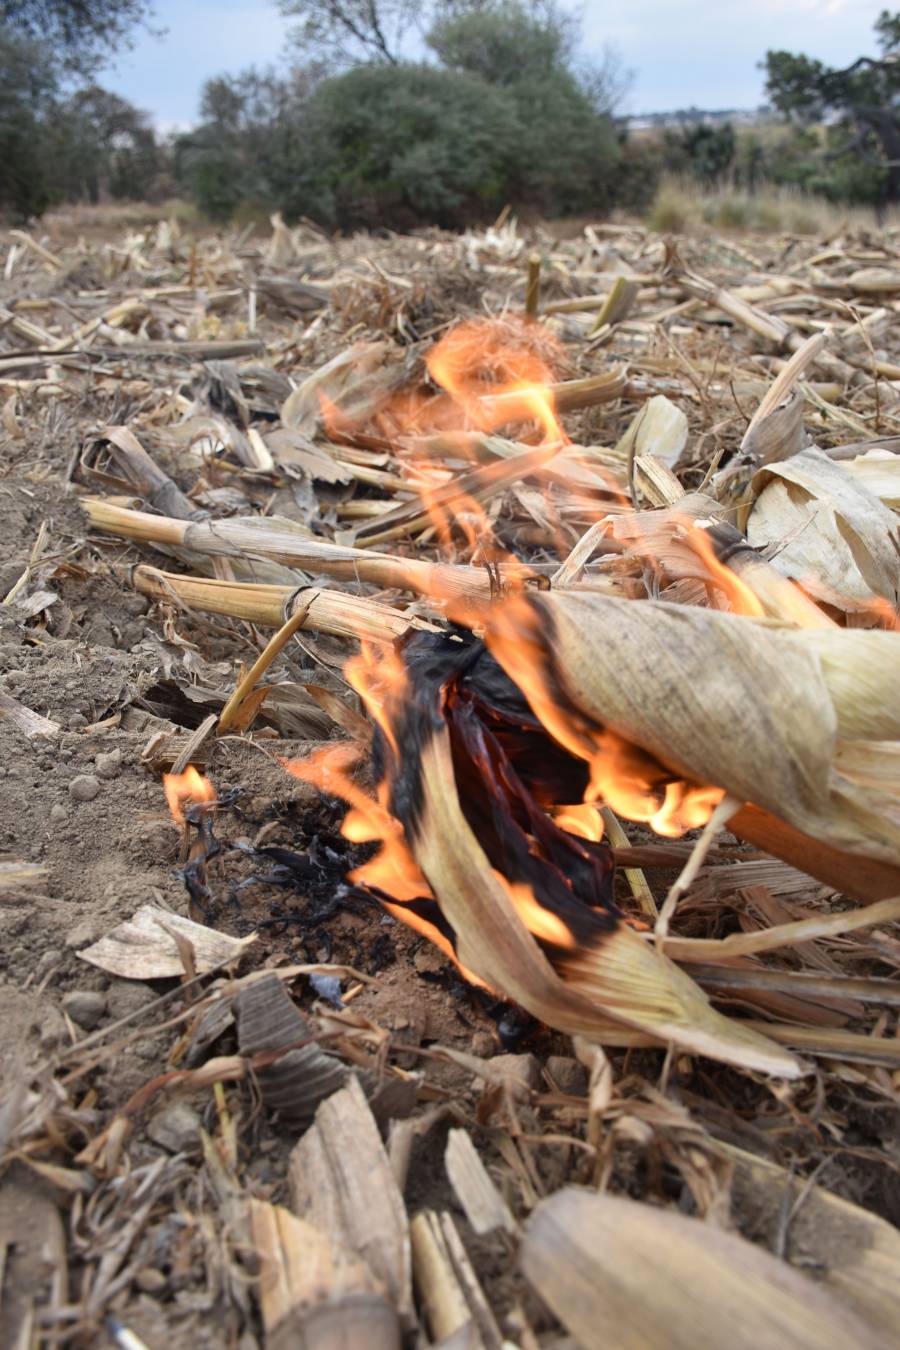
(629, 1275)
(879, 471)
(660, 429)
(280, 249)
(755, 708)
(622, 977)
(830, 532)
(258, 542)
(355, 381)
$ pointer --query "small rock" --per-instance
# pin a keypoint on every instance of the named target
(175, 1127)
(51, 958)
(484, 1044)
(568, 1075)
(131, 635)
(84, 933)
(58, 813)
(428, 960)
(519, 1069)
(52, 1027)
(135, 604)
(150, 1281)
(77, 720)
(108, 765)
(127, 996)
(84, 788)
(84, 1007)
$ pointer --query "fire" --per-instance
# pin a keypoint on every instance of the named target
(740, 597)
(622, 776)
(393, 872)
(379, 676)
(582, 819)
(538, 920)
(495, 376)
(184, 788)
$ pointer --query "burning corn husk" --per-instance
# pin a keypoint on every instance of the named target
(802, 723)
(470, 857)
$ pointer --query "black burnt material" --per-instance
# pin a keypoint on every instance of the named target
(456, 684)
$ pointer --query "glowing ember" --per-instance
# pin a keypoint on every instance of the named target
(188, 788)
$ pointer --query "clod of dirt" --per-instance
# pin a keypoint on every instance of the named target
(84, 788)
(108, 765)
(175, 1127)
(84, 1007)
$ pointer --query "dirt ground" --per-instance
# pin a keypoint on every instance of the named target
(83, 801)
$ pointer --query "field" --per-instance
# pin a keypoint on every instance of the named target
(272, 1109)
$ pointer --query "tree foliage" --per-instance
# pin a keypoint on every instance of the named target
(79, 34)
(27, 93)
(505, 115)
(57, 146)
(860, 103)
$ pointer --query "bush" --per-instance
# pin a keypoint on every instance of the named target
(408, 144)
(503, 119)
(27, 92)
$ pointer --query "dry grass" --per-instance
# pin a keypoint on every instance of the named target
(681, 207)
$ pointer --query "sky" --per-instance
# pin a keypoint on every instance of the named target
(684, 53)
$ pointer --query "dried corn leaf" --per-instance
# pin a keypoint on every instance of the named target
(659, 429)
(879, 472)
(303, 1077)
(144, 948)
(857, 1253)
(618, 1273)
(692, 699)
(30, 723)
(827, 529)
(618, 975)
(458, 1313)
(483, 1204)
(342, 1181)
(353, 384)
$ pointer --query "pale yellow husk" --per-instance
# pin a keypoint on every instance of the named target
(623, 977)
(803, 723)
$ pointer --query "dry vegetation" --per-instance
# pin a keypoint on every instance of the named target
(242, 1104)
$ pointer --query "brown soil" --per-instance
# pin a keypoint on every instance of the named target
(102, 664)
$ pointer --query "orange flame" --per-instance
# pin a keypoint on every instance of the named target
(393, 871)
(495, 376)
(182, 788)
(741, 599)
(621, 774)
(581, 819)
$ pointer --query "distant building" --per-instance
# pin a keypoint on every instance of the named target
(740, 117)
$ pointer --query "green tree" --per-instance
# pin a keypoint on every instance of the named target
(351, 32)
(860, 103)
(81, 34)
(407, 145)
(28, 90)
(707, 152)
(106, 147)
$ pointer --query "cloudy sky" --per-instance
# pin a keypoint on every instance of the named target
(682, 52)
